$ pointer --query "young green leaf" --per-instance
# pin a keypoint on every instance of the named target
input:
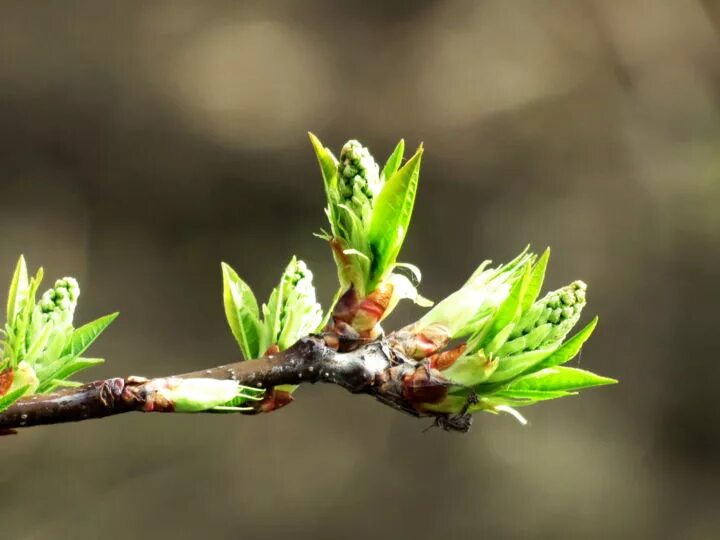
(394, 161)
(391, 217)
(536, 280)
(558, 378)
(68, 366)
(505, 314)
(510, 309)
(40, 341)
(328, 167)
(84, 336)
(241, 310)
(22, 319)
(513, 366)
(570, 348)
(292, 311)
(18, 289)
(11, 397)
(273, 310)
(499, 340)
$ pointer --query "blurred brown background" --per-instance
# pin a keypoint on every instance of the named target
(141, 143)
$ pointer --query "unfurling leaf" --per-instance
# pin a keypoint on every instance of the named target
(391, 218)
(291, 312)
(241, 310)
(18, 289)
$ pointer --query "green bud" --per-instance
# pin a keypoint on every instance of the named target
(559, 309)
(539, 332)
(58, 304)
(174, 394)
(358, 185)
(359, 174)
(293, 310)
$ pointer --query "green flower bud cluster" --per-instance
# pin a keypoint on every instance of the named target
(41, 346)
(548, 321)
(513, 357)
(290, 313)
(358, 174)
(58, 304)
(292, 309)
(369, 210)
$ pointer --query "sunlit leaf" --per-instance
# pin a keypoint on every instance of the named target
(84, 336)
(570, 348)
(515, 365)
(391, 217)
(18, 289)
(394, 161)
(556, 379)
(11, 397)
(537, 277)
(68, 367)
(241, 310)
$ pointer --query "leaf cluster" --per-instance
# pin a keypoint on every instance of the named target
(40, 348)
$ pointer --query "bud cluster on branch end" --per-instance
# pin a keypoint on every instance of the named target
(494, 345)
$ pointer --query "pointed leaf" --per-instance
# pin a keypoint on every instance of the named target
(558, 378)
(66, 369)
(241, 310)
(59, 340)
(84, 336)
(536, 280)
(38, 345)
(570, 348)
(394, 161)
(513, 366)
(328, 162)
(12, 397)
(510, 308)
(505, 313)
(273, 318)
(18, 289)
(499, 339)
(391, 217)
(22, 319)
(328, 168)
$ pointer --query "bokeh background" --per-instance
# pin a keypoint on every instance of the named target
(141, 143)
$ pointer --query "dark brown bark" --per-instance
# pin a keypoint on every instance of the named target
(371, 368)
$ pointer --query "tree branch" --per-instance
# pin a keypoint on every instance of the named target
(372, 368)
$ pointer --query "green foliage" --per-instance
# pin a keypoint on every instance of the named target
(513, 348)
(290, 313)
(241, 310)
(40, 348)
(369, 211)
(468, 309)
(391, 218)
(515, 343)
